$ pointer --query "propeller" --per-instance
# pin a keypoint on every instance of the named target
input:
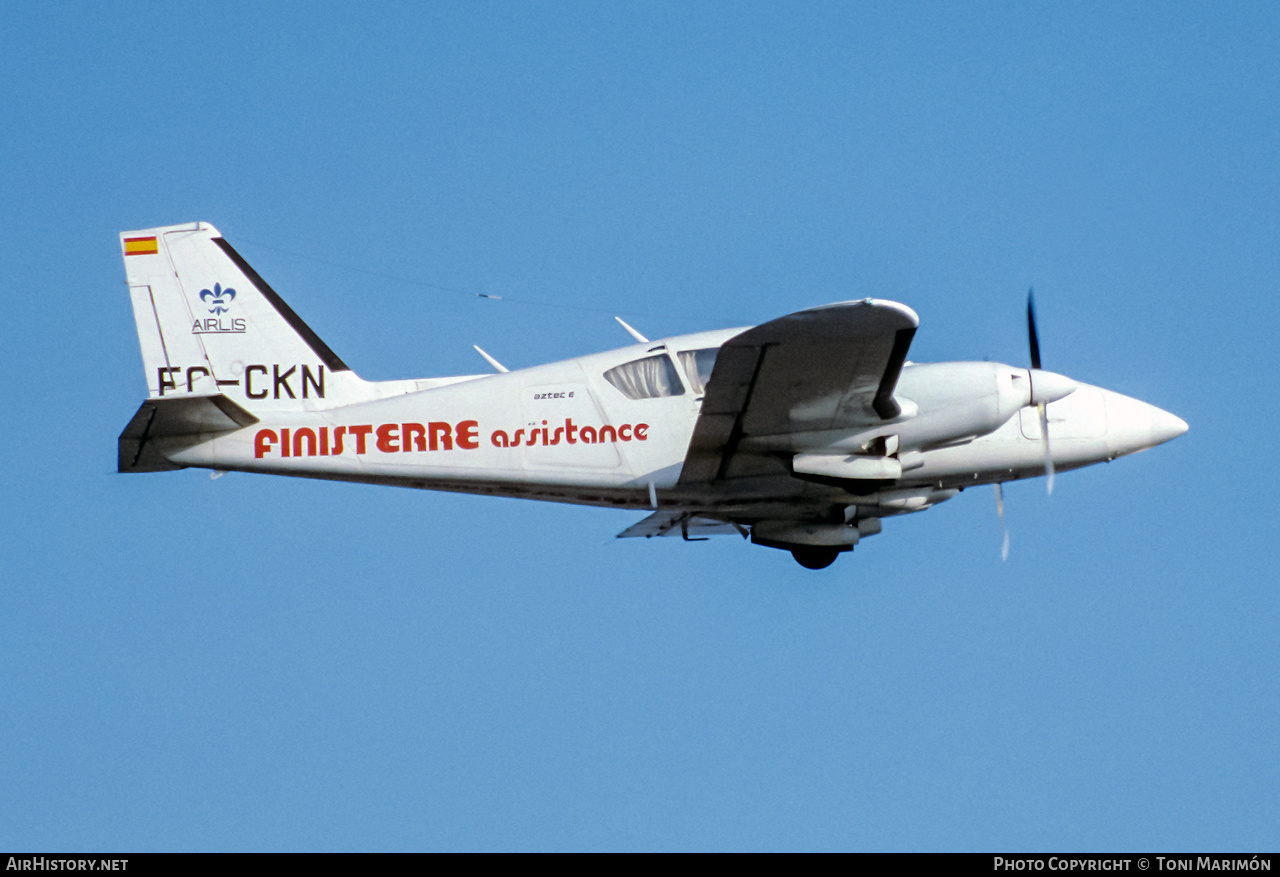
(1004, 531)
(1033, 337)
(1033, 341)
(1045, 387)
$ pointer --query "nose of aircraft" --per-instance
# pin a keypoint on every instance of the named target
(1165, 426)
(1134, 425)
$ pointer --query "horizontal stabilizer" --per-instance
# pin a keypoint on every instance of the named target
(169, 424)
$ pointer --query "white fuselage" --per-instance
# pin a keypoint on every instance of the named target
(561, 431)
(801, 432)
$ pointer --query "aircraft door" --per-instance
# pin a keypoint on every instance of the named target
(561, 428)
(653, 412)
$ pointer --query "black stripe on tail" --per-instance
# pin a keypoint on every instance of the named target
(327, 356)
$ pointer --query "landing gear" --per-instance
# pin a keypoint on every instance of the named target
(815, 557)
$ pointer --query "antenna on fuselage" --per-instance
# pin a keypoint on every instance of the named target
(497, 366)
(631, 331)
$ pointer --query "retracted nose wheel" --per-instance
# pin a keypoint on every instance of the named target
(815, 558)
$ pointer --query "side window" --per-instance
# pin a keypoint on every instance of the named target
(646, 378)
(697, 365)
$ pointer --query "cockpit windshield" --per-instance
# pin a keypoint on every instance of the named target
(697, 365)
(646, 378)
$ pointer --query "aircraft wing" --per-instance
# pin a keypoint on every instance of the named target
(678, 523)
(831, 367)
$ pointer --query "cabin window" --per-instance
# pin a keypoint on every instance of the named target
(697, 365)
(646, 378)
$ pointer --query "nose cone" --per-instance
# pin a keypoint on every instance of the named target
(1133, 425)
(1165, 426)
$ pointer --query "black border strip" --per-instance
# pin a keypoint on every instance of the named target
(327, 356)
(884, 403)
(735, 434)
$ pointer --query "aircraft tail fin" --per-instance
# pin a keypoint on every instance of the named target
(208, 324)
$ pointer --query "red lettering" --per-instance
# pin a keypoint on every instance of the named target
(298, 436)
(263, 441)
(361, 433)
(467, 435)
(338, 433)
(413, 437)
(441, 433)
(284, 442)
(324, 441)
(389, 438)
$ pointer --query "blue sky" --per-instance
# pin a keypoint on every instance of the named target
(257, 663)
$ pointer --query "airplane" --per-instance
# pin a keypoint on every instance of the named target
(802, 433)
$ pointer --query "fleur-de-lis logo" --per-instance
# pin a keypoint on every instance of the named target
(218, 297)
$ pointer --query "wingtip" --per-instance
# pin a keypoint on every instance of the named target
(883, 304)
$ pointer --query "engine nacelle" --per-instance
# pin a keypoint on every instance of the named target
(960, 401)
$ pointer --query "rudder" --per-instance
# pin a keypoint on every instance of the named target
(208, 324)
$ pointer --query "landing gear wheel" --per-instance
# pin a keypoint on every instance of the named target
(815, 557)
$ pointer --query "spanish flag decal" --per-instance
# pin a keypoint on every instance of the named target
(140, 246)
